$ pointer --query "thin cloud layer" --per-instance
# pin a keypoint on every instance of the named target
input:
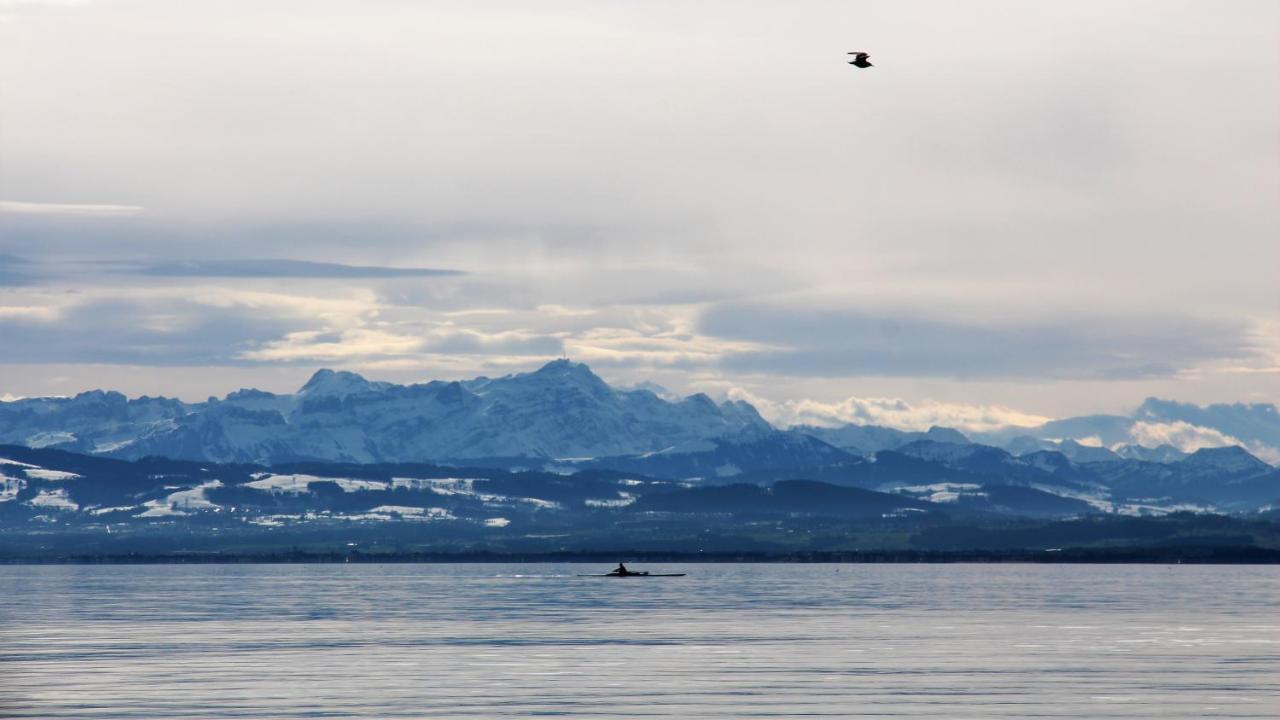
(276, 268)
(15, 270)
(83, 209)
(144, 331)
(848, 343)
(1182, 435)
(890, 412)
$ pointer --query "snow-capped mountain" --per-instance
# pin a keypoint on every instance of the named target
(1222, 479)
(563, 417)
(728, 459)
(871, 439)
(1157, 430)
(1160, 453)
(562, 410)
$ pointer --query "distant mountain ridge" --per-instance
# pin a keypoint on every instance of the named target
(560, 410)
(1170, 428)
(870, 439)
(555, 456)
(563, 415)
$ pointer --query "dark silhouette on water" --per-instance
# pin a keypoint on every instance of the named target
(860, 59)
(622, 571)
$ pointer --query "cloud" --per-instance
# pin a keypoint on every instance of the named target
(376, 346)
(12, 10)
(890, 412)
(646, 345)
(326, 346)
(1253, 426)
(176, 332)
(44, 3)
(466, 341)
(188, 323)
(37, 208)
(167, 326)
(1189, 438)
(842, 342)
(30, 313)
(278, 269)
(15, 270)
(1182, 435)
(977, 173)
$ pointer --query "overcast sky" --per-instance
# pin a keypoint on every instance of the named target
(1023, 210)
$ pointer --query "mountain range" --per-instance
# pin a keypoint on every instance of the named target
(1163, 426)
(561, 410)
(564, 420)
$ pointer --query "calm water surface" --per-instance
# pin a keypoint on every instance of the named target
(728, 641)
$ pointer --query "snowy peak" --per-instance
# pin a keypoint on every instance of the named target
(567, 369)
(870, 439)
(566, 374)
(745, 413)
(949, 452)
(1233, 460)
(1081, 453)
(338, 383)
(1162, 453)
(941, 434)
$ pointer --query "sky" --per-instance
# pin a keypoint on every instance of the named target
(1022, 211)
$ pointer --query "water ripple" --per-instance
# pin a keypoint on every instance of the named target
(728, 641)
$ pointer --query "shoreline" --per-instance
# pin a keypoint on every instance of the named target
(1086, 556)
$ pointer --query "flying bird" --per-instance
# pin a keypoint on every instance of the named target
(860, 60)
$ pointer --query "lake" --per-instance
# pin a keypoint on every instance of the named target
(727, 641)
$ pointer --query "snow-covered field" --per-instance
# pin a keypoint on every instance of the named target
(624, 499)
(54, 500)
(10, 486)
(299, 484)
(942, 492)
(51, 475)
(182, 502)
(465, 487)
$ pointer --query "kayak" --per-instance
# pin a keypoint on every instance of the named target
(635, 574)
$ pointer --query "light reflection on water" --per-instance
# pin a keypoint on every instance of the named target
(728, 641)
